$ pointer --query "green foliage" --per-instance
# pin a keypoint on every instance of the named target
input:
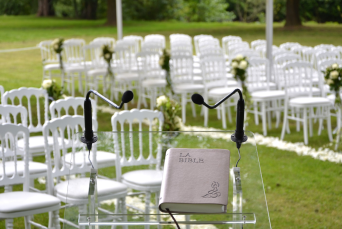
(248, 10)
(171, 111)
(18, 7)
(333, 77)
(207, 10)
(54, 90)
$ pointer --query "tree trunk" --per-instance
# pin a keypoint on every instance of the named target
(75, 8)
(45, 8)
(89, 10)
(292, 13)
(111, 12)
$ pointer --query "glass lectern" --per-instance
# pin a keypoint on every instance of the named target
(247, 205)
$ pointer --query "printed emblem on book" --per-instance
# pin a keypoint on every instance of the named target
(214, 192)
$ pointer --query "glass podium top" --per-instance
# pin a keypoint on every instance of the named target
(137, 206)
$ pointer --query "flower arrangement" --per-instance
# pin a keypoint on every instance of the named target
(239, 70)
(54, 91)
(57, 46)
(333, 77)
(171, 109)
(164, 63)
(107, 54)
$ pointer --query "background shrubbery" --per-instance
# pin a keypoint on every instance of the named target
(181, 10)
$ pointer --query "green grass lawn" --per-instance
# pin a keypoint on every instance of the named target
(302, 192)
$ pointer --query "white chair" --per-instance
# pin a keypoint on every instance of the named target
(229, 40)
(31, 99)
(105, 40)
(299, 98)
(215, 85)
(288, 45)
(50, 59)
(146, 180)
(138, 40)
(16, 204)
(152, 80)
(2, 91)
(104, 159)
(256, 43)
(12, 114)
(325, 47)
(196, 42)
(181, 72)
(74, 64)
(74, 192)
(267, 99)
(155, 38)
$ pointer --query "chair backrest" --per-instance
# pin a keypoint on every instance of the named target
(105, 41)
(327, 63)
(147, 151)
(125, 56)
(155, 38)
(181, 68)
(180, 45)
(73, 49)
(149, 66)
(29, 98)
(180, 37)
(10, 154)
(47, 53)
(325, 47)
(11, 114)
(294, 75)
(256, 43)
(228, 40)
(329, 55)
(196, 42)
(151, 46)
(92, 53)
(67, 128)
(213, 71)
(137, 39)
(288, 45)
(73, 103)
(257, 72)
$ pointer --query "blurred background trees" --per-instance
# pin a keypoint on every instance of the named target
(320, 11)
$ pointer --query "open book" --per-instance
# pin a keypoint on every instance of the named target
(195, 181)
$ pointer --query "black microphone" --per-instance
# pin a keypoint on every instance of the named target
(239, 136)
(88, 137)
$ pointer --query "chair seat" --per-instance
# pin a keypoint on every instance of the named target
(97, 72)
(128, 76)
(74, 68)
(143, 177)
(102, 158)
(261, 86)
(34, 167)
(332, 98)
(232, 83)
(188, 87)
(36, 143)
(12, 202)
(154, 83)
(51, 67)
(310, 101)
(303, 91)
(76, 190)
(221, 91)
(198, 79)
(261, 95)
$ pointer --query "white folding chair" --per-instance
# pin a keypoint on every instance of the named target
(149, 153)
(50, 59)
(14, 170)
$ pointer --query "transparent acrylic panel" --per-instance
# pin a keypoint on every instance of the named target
(247, 206)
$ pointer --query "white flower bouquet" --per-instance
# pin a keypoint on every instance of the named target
(54, 91)
(333, 77)
(171, 109)
(57, 46)
(239, 67)
(107, 54)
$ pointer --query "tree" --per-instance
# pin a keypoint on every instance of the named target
(292, 13)
(89, 9)
(45, 8)
(111, 12)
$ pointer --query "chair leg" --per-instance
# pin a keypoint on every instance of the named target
(193, 110)
(224, 123)
(264, 121)
(305, 126)
(183, 108)
(54, 219)
(311, 115)
(269, 114)
(256, 118)
(9, 223)
(27, 222)
(229, 113)
(80, 86)
(147, 208)
(284, 122)
(157, 201)
(329, 124)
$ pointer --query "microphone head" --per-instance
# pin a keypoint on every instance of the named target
(127, 96)
(197, 98)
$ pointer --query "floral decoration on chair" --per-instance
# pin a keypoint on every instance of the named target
(54, 91)
(57, 46)
(171, 111)
(164, 63)
(333, 77)
(239, 70)
(107, 54)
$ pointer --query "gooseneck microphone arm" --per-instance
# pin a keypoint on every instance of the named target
(88, 137)
(239, 136)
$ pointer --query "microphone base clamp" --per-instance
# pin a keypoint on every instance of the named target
(244, 139)
(89, 142)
